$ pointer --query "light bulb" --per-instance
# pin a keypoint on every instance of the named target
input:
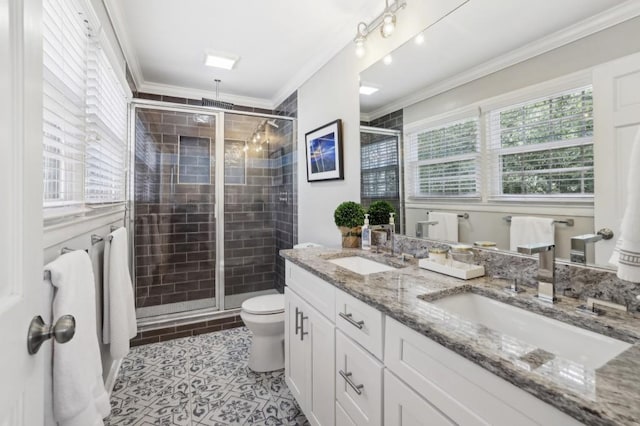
(254, 139)
(419, 39)
(258, 136)
(387, 60)
(388, 24)
(360, 50)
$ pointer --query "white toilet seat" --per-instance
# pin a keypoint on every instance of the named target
(264, 305)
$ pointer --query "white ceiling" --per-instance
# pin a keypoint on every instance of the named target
(478, 32)
(281, 43)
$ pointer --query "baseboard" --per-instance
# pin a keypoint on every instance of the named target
(113, 375)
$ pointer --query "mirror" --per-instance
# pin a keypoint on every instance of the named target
(463, 64)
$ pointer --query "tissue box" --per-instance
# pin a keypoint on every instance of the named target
(453, 268)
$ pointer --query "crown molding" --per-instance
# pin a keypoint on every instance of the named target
(189, 93)
(117, 20)
(609, 18)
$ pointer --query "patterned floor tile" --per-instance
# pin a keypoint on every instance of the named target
(200, 380)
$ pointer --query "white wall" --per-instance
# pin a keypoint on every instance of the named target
(332, 93)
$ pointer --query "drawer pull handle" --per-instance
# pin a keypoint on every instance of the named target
(302, 332)
(347, 378)
(350, 320)
(297, 321)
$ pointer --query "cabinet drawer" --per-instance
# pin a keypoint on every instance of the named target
(404, 407)
(318, 293)
(358, 382)
(462, 390)
(361, 322)
(342, 418)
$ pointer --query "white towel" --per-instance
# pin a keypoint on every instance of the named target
(79, 396)
(531, 230)
(627, 253)
(119, 324)
(447, 227)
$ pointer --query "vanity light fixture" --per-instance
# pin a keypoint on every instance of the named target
(368, 90)
(386, 21)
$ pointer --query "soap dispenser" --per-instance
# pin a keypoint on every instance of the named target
(366, 234)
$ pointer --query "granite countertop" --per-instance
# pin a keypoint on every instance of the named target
(607, 395)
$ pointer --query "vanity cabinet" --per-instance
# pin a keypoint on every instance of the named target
(310, 359)
(346, 363)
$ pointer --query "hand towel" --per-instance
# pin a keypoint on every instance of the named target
(96, 254)
(119, 308)
(531, 230)
(627, 253)
(79, 396)
(447, 227)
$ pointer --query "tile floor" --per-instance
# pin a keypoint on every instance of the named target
(200, 380)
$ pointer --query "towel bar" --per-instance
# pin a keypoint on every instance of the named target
(568, 222)
(113, 228)
(95, 239)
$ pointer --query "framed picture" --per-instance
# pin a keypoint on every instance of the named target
(324, 152)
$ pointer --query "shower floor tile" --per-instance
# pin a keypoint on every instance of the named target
(200, 380)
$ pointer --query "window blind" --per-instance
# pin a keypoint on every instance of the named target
(65, 37)
(379, 169)
(106, 131)
(543, 147)
(443, 161)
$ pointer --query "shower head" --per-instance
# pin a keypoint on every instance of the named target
(272, 123)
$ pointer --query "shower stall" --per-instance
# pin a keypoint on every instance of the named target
(211, 204)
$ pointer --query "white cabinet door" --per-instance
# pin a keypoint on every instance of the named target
(21, 288)
(616, 104)
(321, 410)
(342, 418)
(297, 358)
(404, 407)
(358, 382)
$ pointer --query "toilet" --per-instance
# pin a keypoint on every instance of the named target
(264, 316)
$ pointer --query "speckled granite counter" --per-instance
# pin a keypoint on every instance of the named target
(606, 396)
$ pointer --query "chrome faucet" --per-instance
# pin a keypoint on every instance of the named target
(546, 269)
(582, 248)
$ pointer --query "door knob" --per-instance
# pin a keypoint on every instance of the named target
(39, 332)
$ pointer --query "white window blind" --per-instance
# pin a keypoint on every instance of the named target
(65, 37)
(379, 164)
(106, 130)
(543, 148)
(443, 161)
(84, 110)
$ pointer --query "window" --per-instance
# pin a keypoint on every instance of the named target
(84, 113)
(379, 163)
(443, 161)
(544, 147)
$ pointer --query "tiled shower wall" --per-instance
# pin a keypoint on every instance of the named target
(284, 172)
(174, 221)
(260, 214)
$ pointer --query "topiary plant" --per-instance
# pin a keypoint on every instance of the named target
(349, 215)
(379, 212)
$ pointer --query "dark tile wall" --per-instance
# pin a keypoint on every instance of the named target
(260, 213)
(175, 332)
(174, 235)
(285, 195)
(186, 101)
(393, 121)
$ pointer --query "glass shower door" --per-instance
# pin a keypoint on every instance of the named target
(174, 210)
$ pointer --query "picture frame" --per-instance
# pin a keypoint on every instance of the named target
(324, 152)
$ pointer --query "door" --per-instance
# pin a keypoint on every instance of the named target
(616, 97)
(321, 410)
(297, 349)
(21, 387)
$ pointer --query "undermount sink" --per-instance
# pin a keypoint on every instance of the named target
(361, 266)
(563, 340)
